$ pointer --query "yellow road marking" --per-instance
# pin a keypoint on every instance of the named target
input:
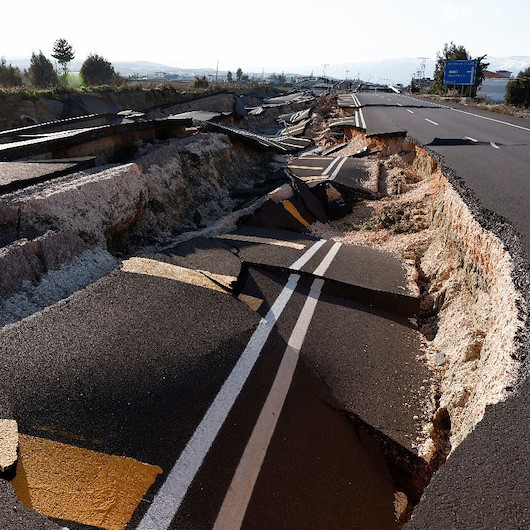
(252, 302)
(206, 279)
(161, 269)
(291, 208)
(263, 240)
(222, 279)
(68, 482)
(306, 167)
(313, 178)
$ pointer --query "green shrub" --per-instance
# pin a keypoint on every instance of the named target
(96, 70)
(518, 90)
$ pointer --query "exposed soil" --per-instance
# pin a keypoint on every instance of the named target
(464, 275)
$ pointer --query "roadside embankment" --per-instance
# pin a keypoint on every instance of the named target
(61, 235)
(472, 311)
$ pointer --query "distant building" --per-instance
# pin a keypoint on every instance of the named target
(493, 87)
(504, 73)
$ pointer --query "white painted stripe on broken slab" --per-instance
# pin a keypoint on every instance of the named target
(329, 168)
(363, 122)
(302, 260)
(169, 497)
(326, 262)
(338, 168)
(263, 240)
(238, 496)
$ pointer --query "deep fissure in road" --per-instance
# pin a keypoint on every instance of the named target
(470, 309)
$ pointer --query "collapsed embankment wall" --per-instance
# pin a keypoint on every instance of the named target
(78, 223)
(474, 311)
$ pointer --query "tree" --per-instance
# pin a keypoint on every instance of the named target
(41, 72)
(239, 75)
(518, 89)
(64, 53)
(96, 70)
(9, 75)
(452, 52)
(229, 76)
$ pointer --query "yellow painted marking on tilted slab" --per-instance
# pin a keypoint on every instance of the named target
(314, 178)
(291, 208)
(225, 281)
(263, 240)
(161, 269)
(91, 488)
(252, 302)
(306, 167)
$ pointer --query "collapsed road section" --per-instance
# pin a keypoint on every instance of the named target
(228, 328)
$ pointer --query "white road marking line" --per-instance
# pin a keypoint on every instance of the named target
(363, 122)
(328, 169)
(357, 124)
(493, 144)
(338, 168)
(300, 262)
(236, 501)
(281, 143)
(238, 496)
(399, 104)
(491, 119)
(411, 111)
(326, 262)
(469, 138)
(430, 121)
(170, 496)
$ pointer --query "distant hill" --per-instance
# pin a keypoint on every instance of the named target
(399, 70)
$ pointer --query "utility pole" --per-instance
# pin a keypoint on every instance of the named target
(422, 67)
(216, 72)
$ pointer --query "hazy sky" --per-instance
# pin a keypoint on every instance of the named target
(272, 34)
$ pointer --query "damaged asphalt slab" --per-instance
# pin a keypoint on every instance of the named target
(122, 378)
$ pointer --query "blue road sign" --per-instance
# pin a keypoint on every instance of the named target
(460, 72)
